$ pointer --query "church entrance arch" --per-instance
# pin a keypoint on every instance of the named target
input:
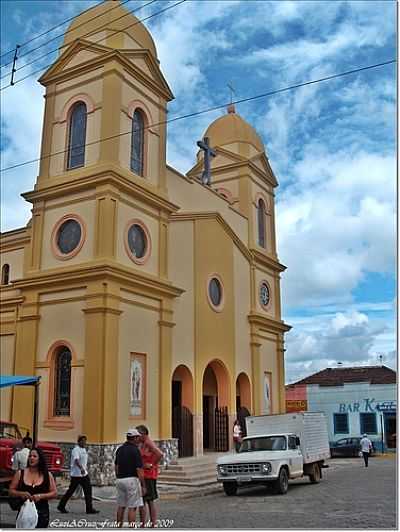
(182, 410)
(243, 400)
(216, 391)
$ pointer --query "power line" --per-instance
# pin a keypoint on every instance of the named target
(210, 109)
(99, 40)
(69, 31)
(45, 33)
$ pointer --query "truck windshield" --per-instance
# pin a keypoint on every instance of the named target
(266, 443)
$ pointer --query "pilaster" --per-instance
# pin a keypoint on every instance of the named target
(255, 346)
(106, 224)
(165, 370)
(37, 236)
(281, 373)
(111, 115)
(25, 358)
(47, 133)
(101, 363)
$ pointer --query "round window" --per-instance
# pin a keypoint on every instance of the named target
(265, 295)
(69, 235)
(215, 292)
(137, 241)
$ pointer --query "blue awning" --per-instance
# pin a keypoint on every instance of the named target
(15, 380)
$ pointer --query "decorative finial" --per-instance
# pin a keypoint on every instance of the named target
(231, 107)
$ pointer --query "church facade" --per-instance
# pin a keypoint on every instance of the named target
(137, 293)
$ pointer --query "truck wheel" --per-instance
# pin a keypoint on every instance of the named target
(230, 488)
(315, 476)
(282, 482)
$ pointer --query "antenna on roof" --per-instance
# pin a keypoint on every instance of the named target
(340, 363)
(381, 359)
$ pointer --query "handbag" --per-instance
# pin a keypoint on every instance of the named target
(28, 516)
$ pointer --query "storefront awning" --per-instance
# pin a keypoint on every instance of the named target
(15, 380)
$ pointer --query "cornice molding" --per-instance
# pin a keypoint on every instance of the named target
(268, 323)
(267, 260)
(95, 176)
(104, 270)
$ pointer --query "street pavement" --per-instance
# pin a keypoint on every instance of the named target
(349, 496)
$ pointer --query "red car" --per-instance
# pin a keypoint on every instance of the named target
(10, 441)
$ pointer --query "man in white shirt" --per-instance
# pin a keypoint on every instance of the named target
(20, 458)
(79, 477)
(366, 446)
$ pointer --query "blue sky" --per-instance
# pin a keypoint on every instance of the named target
(331, 145)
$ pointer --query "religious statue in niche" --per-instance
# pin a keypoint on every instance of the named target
(267, 393)
(137, 378)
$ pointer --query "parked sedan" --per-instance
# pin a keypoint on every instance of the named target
(347, 447)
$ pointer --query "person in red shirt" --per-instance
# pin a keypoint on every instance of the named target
(151, 456)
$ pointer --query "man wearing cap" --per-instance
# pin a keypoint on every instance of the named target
(366, 446)
(129, 473)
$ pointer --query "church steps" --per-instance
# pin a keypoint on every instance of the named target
(193, 471)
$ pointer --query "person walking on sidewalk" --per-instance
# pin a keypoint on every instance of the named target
(20, 458)
(237, 435)
(79, 477)
(366, 446)
(151, 456)
(129, 473)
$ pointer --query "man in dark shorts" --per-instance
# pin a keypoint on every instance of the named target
(130, 479)
(151, 456)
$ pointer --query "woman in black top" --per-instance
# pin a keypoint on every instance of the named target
(37, 484)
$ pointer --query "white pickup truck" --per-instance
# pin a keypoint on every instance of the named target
(277, 448)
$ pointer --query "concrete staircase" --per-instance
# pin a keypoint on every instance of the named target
(193, 472)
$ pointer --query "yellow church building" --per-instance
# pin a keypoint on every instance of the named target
(137, 293)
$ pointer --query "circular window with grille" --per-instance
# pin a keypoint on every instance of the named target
(264, 294)
(137, 241)
(68, 236)
(215, 292)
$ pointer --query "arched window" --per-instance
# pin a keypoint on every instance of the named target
(261, 222)
(62, 382)
(77, 136)
(137, 142)
(5, 274)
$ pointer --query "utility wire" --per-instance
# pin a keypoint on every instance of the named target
(45, 33)
(68, 31)
(73, 29)
(99, 40)
(209, 110)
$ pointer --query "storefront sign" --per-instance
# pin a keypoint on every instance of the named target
(368, 405)
(296, 405)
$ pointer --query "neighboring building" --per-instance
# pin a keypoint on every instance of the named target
(138, 294)
(355, 401)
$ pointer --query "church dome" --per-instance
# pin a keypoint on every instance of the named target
(232, 128)
(107, 18)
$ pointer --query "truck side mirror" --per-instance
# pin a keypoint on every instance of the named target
(297, 440)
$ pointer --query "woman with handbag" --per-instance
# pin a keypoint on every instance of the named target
(35, 483)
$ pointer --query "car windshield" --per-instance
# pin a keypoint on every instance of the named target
(9, 430)
(266, 443)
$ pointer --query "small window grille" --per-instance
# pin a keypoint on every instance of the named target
(341, 423)
(368, 423)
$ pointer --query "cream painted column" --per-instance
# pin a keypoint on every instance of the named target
(25, 359)
(35, 252)
(165, 371)
(106, 223)
(163, 247)
(111, 115)
(100, 394)
(47, 134)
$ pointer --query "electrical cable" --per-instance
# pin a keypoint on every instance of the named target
(74, 29)
(95, 42)
(210, 109)
(68, 31)
(48, 31)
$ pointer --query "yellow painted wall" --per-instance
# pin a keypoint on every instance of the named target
(242, 306)
(7, 345)
(182, 273)
(139, 333)
(215, 335)
(63, 321)
(15, 259)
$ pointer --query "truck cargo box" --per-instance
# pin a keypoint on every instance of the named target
(310, 427)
